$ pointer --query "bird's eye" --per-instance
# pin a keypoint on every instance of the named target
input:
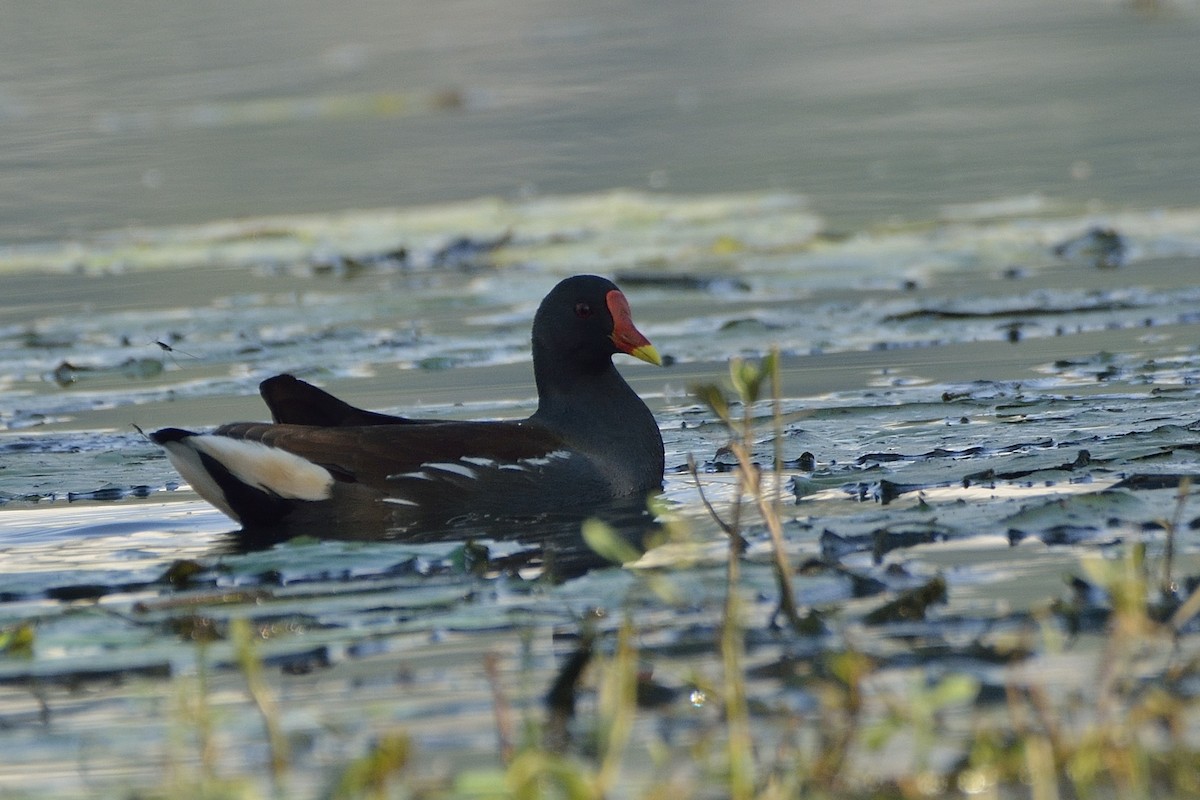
(583, 310)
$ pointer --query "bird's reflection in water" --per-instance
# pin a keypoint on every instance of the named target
(554, 539)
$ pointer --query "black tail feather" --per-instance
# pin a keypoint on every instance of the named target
(295, 402)
(164, 435)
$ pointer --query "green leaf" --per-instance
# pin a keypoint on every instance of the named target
(746, 377)
(606, 542)
(953, 690)
(848, 666)
(372, 773)
(770, 364)
(877, 735)
(483, 783)
(531, 774)
(17, 641)
(711, 395)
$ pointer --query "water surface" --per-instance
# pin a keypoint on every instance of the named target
(875, 111)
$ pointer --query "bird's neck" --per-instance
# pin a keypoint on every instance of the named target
(573, 395)
(599, 413)
(595, 405)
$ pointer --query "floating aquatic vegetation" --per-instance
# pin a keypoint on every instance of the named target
(1098, 247)
(909, 606)
(66, 373)
(687, 283)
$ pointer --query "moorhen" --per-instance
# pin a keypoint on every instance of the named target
(328, 469)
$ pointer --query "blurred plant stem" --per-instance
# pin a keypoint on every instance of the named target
(243, 637)
(747, 379)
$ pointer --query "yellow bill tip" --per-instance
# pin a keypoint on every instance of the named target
(647, 352)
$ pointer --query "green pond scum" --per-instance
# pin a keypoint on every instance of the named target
(928, 527)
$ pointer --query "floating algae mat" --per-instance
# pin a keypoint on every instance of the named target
(975, 412)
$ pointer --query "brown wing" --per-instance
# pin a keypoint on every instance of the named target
(375, 454)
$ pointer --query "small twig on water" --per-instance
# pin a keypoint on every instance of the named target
(504, 726)
(729, 530)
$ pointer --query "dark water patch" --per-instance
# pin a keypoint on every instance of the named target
(1082, 461)
(1097, 305)
(1068, 535)
(686, 283)
(67, 373)
(1144, 482)
(461, 254)
(111, 493)
(76, 678)
(880, 542)
(1098, 247)
(910, 605)
(467, 253)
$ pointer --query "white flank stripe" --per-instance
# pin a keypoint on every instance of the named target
(457, 469)
(546, 459)
(400, 501)
(479, 461)
(421, 476)
(268, 468)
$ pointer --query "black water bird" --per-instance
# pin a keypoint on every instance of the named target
(326, 468)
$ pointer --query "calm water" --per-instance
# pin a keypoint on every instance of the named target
(111, 115)
(899, 197)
